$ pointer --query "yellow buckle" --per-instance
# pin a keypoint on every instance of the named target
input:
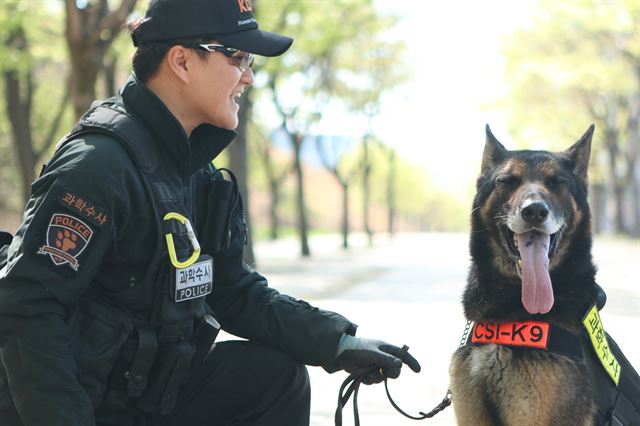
(192, 238)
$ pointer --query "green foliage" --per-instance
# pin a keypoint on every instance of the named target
(42, 26)
(415, 193)
(44, 56)
(340, 54)
(562, 65)
(579, 63)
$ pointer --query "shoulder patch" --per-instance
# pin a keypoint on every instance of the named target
(84, 207)
(66, 239)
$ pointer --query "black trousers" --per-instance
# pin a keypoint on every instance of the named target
(244, 383)
(240, 384)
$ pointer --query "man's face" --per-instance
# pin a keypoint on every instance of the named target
(214, 89)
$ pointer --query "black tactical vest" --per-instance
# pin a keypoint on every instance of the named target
(155, 351)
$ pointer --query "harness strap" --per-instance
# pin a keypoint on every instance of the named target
(183, 365)
(560, 341)
(114, 120)
(146, 352)
(624, 413)
(108, 118)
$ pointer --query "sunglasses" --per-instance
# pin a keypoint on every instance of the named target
(242, 60)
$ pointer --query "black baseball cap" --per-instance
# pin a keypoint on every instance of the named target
(228, 21)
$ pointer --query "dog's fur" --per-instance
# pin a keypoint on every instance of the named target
(495, 385)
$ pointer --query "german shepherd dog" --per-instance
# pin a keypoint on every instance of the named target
(531, 261)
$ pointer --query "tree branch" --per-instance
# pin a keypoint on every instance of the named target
(74, 22)
(324, 157)
(264, 146)
(55, 124)
(114, 20)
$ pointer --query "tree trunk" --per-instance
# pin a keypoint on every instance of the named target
(90, 31)
(391, 192)
(598, 207)
(617, 191)
(274, 220)
(19, 92)
(84, 73)
(19, 111)
(109, 75)
(275, 183)
(238, 163)
(633, 165)
(302, 216)
(366, 173)
(345, 214)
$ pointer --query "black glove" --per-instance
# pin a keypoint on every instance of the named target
(372, 359)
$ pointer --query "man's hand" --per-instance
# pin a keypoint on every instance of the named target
(374, 359)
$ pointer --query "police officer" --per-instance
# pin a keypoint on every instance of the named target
(129, 257)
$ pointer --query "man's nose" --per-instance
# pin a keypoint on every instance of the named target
(247, 77)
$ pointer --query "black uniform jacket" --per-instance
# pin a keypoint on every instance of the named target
(88, 225)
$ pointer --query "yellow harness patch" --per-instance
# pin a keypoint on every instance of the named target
(594, 327)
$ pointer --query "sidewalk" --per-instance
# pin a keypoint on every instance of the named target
(407, 290)
(330, 269)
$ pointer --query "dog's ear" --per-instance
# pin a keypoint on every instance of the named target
(580, 152)
(493, 153)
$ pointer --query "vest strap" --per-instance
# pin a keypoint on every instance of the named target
(147, 348)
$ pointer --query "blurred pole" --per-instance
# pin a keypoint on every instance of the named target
(370, 110)
(238, 155)
(303, 226)
(634, 155)
(366, 171)
(345, 214)
(391, 192)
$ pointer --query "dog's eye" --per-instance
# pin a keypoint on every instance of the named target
(555, 181)
(508, 180)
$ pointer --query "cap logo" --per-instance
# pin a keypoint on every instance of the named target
(245, 6)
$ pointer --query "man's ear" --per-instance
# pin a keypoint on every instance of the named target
(177, 59)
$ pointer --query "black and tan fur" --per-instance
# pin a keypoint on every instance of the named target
(495, 385)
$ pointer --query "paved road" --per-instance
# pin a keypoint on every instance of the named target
(407, 291)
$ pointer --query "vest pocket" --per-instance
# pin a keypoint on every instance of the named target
(221, 196)
(97, 333)
(169, 372)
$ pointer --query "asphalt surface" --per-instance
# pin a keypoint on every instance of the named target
(407, 290)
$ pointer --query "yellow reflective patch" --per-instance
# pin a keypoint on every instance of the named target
(594, 327)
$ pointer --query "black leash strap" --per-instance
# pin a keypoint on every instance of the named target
(446, 401)
(349, 386)
(352, 384)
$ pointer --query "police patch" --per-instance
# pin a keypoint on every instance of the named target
(67, 237)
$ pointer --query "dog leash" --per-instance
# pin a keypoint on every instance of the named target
(351, 385)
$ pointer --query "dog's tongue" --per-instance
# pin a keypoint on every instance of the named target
(537, 293)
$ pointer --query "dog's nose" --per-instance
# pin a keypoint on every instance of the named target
(535, 213)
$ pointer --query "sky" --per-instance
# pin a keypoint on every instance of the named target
(436, 118)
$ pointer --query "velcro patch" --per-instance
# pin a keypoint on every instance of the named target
(84, 207)
(66, 239)
(196, 280)
(600, 344)
(533, 334)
